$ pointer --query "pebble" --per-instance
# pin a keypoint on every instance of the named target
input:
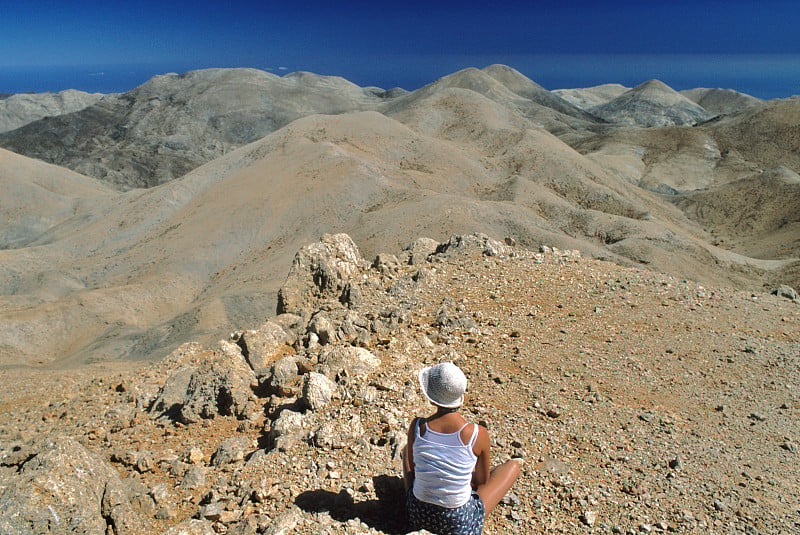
(589, 518)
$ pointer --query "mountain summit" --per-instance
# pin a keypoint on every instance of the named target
(652, 103)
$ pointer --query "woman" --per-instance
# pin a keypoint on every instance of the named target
(449, 485)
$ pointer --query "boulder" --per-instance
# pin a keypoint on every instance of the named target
(261, 346)
(289, 429)
(317, 390)
(323, 328)
(346, 361)
(231, 450)
(476, 243)
(339, 433)
(419, 251)
(785, 291)
(284, 376)
(64, 488)
(220, 383)
(386, 263)
(320, 272)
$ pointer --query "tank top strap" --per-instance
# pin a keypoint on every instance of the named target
(474, 438)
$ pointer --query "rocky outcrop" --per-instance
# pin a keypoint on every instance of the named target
(23, 108)
(324, 270)
(64, 488)
(210, 383)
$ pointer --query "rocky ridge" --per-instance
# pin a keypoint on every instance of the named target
(23, 108)
(641, 404)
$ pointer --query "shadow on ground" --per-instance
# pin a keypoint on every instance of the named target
(386, 514)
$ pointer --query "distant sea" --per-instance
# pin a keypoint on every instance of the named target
(763, 76)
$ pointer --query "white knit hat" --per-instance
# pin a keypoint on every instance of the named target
(443, 384)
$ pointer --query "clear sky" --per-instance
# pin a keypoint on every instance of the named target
(405, 43)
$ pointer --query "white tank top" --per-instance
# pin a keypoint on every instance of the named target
(443, 466)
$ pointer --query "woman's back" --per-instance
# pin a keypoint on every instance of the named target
(444, 464)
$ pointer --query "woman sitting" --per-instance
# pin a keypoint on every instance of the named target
(449, 485)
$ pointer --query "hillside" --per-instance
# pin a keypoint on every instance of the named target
(639, 402)
(652, 103)
(103, 275)
(720, 101)
(18, 110)
(175, 123)
(589, 97)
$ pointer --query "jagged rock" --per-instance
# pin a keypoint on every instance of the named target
(323, 328)
(473, 243)
(231, 450)
(292, 324)
(386, 263)
(118, 511)
(419, 251)
(247, 526)
(194, 478)
(338, 433)
(320, 271)
(65, 488)
(284, 376)
(262, 345)
(451, 317)
(352, 295)
(289, 429)
(192, 526)
(355, 329)
(317, 390)
(346, 361)
(285, 522)
(195, 455)
(160, 493)
(220, 384)
(785, 291)
(172, 395)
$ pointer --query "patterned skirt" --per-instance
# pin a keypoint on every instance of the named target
(464, 520)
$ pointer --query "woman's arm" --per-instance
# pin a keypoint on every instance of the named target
(483, 465)
(408, 456)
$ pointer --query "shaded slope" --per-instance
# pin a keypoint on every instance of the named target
(527, 88)
(21, 109)
(490, 83)
(720, 101)
(766, 134)
(174, 123)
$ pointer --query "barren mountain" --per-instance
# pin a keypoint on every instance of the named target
(19, 110)
(652, 103)
(720, 101)
(131, 275)
(589, 97)
(174, 123)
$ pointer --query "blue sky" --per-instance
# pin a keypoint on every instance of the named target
(391, 43)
